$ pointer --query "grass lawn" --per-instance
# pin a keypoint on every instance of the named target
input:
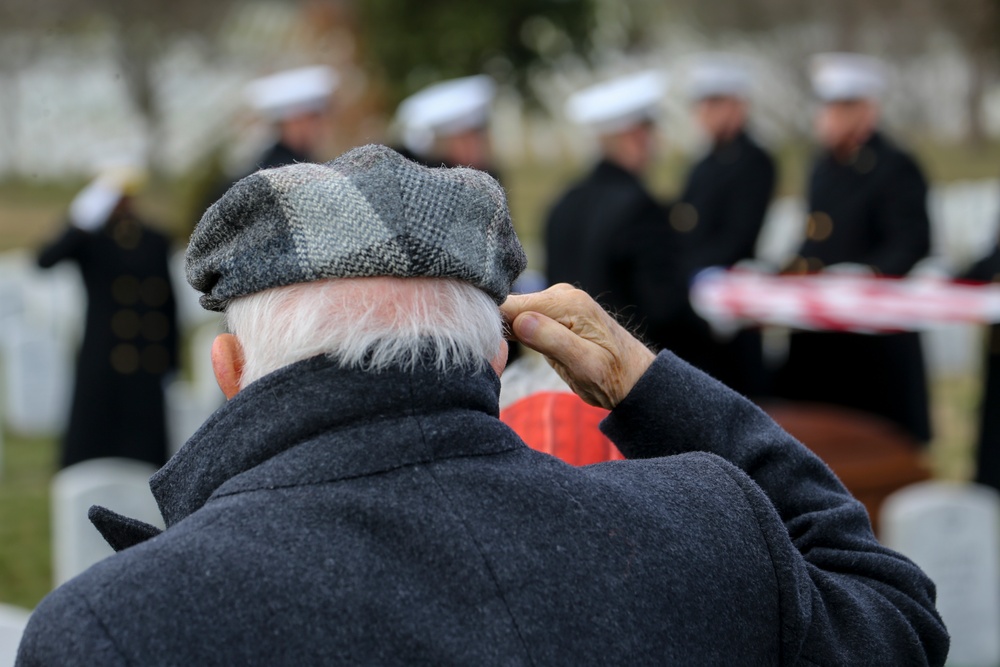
(25, 557)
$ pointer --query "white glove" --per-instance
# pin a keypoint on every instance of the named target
(92, 207)
(850, 269)
(754, 266)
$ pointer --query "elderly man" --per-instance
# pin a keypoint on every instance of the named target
(357, 500)
(868, 203)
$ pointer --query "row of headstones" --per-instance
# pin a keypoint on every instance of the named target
(950, 530)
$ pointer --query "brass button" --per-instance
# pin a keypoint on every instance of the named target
(683, 217)
(127, 234)
(125, 324)
(125, 290)
(819, 226)
(125, 359)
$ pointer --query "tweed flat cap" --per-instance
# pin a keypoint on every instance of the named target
(370, 212)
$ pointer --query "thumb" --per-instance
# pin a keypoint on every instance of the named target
(550, 338)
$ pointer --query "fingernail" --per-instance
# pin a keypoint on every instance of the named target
(527, 325)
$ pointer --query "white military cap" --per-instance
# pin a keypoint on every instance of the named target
(615, 105)
(717, 75)
(444, 109)
(292, 92)
(837, 77)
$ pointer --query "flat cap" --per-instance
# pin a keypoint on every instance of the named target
(370, 212)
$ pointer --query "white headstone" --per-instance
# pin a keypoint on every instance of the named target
(37, 379)
(187, 410)
(189, 404)
(952, 531)
(121, 485)
(12, 623)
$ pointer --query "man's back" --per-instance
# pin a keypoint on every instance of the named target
(339, 528)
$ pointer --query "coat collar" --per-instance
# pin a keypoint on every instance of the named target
(299, 402)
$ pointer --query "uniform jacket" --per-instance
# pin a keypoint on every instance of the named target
(609, 237)
(729, 191)
(328, 516)
(872, 211)
(129, 341)
(718, 218)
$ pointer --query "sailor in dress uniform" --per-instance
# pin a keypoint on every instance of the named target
(868, 203)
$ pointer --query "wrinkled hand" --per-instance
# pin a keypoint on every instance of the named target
(595, 355)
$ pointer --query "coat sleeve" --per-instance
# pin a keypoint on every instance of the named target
(64, 632)
(68, 245)
(903, 223)
(844, 597)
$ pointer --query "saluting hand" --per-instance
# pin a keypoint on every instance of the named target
(595, 355)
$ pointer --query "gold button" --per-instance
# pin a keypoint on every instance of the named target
(125, 359)
(155, 359)
(155, 326)
(155, 291)
(683, 217)
(819, 226)
(125, 324)
(814, 264)
(127, 234)
(125, 290)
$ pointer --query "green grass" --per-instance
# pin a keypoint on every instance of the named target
(25, 541)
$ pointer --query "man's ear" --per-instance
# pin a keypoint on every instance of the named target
(499, 362)
(227, 363)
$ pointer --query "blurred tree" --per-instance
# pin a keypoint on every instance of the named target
(412, 44)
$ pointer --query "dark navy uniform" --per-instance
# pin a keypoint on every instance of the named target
(988, 451)
(278, 155)
(719, 217)
(609, 237)
(129, 341)
(871, 211)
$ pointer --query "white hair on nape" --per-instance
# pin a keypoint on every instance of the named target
(367, 323)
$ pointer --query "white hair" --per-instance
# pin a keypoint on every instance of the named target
(367, 323)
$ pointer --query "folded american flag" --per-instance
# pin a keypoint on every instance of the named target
(837, 302)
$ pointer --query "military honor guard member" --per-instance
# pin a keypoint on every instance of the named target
(130, 334)
(447, 124)
(868, 203)
(720, 214)
(297, 103)
(607, 234)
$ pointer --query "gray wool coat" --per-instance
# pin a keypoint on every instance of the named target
(326, 516)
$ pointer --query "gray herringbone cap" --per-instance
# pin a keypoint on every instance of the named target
(370, 212)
